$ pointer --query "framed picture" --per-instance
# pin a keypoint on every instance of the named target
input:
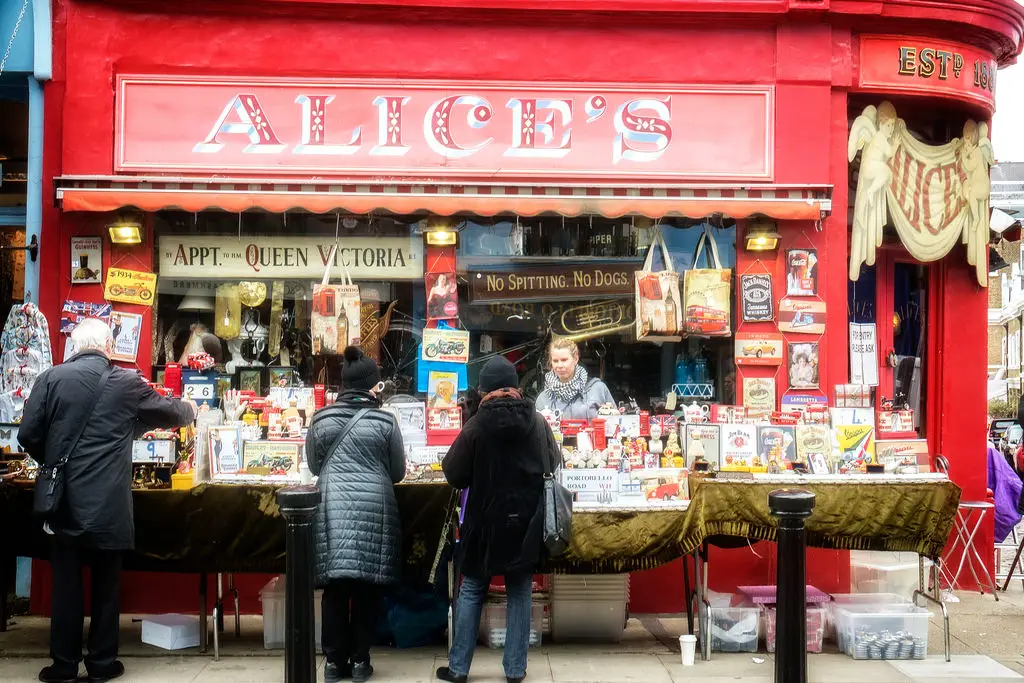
(442, 296)
(126, 329)
(86, 260)
(803, 365)
(802, 272)
(281, 377)
(272, 458)
(251, 379)
(225, 450)
(817, 463)
(223, 384)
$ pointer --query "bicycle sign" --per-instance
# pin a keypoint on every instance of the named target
(451, 346)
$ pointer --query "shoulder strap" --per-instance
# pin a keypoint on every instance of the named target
(344, 432)
(81, 427)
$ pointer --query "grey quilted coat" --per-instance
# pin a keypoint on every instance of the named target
(358, 527)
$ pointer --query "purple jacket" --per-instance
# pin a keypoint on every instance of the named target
(1006, 486)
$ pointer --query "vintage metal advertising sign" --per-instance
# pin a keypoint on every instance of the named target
(757, 303)
(431, 129)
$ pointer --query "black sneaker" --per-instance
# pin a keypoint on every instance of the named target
(116, 670)
(53, 674)
(509, 679)
(361, 672)
(334, 673)
(446, 674)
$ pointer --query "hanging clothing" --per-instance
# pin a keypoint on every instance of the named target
(25, 354)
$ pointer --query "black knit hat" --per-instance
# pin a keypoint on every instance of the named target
(498, 373)
(359, 372)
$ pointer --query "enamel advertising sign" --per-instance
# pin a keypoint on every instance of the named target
(433, 130)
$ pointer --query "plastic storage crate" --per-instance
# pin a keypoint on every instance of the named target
(842, 599)
(816, 617)
(883, 631)
(272, 597)
(492, 624)
(885, 572)
(735, 629)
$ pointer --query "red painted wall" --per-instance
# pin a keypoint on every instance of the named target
(810, 63)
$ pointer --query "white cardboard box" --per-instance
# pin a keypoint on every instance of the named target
(171, 631)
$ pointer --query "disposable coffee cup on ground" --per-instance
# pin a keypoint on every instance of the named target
(688, 648)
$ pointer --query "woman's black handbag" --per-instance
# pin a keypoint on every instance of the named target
(557, 512)
(49, 489)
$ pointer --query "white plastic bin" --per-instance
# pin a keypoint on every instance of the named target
(735, 629)
(272, 597)
(885, 572)
(883, 631)
(842, 599)
(492, 623)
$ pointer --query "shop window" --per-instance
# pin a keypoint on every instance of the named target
(241, 288)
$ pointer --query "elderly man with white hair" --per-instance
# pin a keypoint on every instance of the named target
(87, 409)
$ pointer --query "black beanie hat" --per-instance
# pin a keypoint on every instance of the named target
(498, 373)
(359, 372)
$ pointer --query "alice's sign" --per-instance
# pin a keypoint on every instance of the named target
(430, 129)
(936, 196)
(365, 258)
(553, 283)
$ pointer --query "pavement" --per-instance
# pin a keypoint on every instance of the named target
(986, 643)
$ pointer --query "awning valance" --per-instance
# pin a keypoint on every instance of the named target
(806, 202)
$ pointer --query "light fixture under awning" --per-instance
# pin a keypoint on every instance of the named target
(806, 202)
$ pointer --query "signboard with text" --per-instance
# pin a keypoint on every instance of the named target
(433, 129)
(556, 282)
(925, 65)
(366, 258)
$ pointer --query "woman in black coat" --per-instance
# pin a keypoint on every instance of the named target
(499, 456)
(356, 450)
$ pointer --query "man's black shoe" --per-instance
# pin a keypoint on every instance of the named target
(446, 674)
(116, 670)
(53, 674)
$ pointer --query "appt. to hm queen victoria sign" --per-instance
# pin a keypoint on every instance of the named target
(432, 130)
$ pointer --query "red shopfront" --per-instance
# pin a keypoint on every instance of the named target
(453, 107)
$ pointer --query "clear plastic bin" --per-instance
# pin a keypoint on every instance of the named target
(885, 572)
(883, 631)
(816, 617)
(842, 599)
(735, 629)
(272, 597)
(492, 624)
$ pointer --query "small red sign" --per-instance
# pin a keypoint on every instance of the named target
(443, 130)
(923, 65)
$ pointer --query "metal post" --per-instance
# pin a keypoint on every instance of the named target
(791, 507)
(298, 505)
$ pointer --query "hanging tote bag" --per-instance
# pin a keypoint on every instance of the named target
(336, 312)
(658, 304)
(708, 293)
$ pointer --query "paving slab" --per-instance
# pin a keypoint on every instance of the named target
(568, 666)
(961, 667)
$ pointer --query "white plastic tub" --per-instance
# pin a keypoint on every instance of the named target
(272, 597)
(492, 624)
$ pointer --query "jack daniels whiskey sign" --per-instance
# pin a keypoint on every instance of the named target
(757, 303)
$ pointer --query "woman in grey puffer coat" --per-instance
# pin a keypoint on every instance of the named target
(356, 450)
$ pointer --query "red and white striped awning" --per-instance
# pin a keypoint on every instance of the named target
(110, 193)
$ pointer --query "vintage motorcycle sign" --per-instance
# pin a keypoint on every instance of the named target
(450, 346)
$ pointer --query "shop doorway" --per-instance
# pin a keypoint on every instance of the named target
(893, 295)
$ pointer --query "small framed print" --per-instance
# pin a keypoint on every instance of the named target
(225, 450)
(272, 458)
(126, 329)
(803, 365)
(86, 260)
(817, 463)
(251, 379)
(802, 272)
(280, 377)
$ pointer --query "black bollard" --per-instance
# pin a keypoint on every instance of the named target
(791, 507)
(298, 505)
